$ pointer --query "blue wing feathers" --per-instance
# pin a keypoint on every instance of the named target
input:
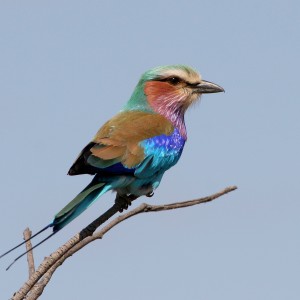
(118, 169)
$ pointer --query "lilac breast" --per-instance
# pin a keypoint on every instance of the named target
(167, 143)
(165, 150)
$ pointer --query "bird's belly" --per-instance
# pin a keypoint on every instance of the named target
(139, 186)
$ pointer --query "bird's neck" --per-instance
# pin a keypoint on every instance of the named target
(167, 101)
(138, 100)
(175, 115)
(165, 104)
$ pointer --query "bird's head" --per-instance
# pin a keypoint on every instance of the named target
(170, 90)
(176, 86)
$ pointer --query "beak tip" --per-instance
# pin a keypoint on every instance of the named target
(206, 87)
(217, 89)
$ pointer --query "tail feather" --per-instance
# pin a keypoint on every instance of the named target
(73, 209)
(24, 253)
(79, 204)
(36, 234)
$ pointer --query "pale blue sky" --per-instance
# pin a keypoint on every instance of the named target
(68, 66)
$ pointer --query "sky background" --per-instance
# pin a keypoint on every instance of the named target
(66, 67)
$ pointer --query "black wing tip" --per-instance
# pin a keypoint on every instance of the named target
(81, 166)
(71, 172)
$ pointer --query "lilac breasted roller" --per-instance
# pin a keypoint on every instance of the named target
(131, 152)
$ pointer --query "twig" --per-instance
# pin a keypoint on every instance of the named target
(30, 260)
(86, 236)
(55, 256)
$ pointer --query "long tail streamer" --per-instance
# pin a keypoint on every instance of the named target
(36, 234)
(24, 253)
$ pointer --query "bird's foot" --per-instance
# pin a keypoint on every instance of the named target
(124, 201)
(150, 194)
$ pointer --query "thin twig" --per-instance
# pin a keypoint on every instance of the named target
(41, 277)
(55, 256)
(27, 235)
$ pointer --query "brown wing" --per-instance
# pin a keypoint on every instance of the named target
(118, 141)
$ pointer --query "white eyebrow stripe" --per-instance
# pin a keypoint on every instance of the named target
(188, 77)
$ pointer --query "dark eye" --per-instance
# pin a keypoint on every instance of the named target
(174, 80)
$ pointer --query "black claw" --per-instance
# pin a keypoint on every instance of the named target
(150, 194)
(124, 201)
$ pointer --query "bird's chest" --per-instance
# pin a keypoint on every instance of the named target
(161, 153)
(165, 149)
(168, 144)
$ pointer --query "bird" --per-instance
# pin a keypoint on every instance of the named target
(131, 152)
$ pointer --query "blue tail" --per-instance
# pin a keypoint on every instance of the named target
(72, 210)
(79, 204)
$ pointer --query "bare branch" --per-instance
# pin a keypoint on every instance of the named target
(41, 277)
(27, 235)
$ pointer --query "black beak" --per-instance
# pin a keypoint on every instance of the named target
(206, 87)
